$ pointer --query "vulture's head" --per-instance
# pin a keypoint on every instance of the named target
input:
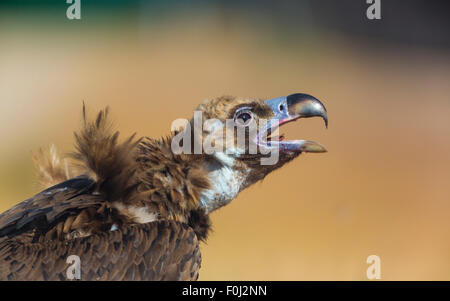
(239, 140)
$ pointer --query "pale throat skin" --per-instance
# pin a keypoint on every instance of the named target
(226, 182)
(227, 175)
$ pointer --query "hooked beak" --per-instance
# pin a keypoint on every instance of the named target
(290, 108)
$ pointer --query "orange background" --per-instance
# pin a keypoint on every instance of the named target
(383, 187)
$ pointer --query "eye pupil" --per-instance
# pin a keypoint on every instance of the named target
(281, 107)
(243, 118)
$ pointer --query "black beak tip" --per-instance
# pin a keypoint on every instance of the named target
(306, 105)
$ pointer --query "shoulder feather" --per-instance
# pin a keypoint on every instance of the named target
(51, 167)
(112, 165)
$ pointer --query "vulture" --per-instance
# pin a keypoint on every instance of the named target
(137, 209)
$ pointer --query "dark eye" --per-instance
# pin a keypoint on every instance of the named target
(281, 107)
(243, 118)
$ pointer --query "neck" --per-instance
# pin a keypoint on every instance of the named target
(226, 178)
(210, 181)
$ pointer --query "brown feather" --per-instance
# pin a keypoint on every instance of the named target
(164, 250)
(110, 164)
(51, 167)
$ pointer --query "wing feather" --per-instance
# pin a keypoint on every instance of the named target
(163, 250)
(48, 206)
(160, 250)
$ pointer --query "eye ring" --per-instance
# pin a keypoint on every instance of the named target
(281, 107)
(243, 117)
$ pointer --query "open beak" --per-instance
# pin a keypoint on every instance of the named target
(287, 109)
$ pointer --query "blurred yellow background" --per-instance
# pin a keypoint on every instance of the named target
(383, 187)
